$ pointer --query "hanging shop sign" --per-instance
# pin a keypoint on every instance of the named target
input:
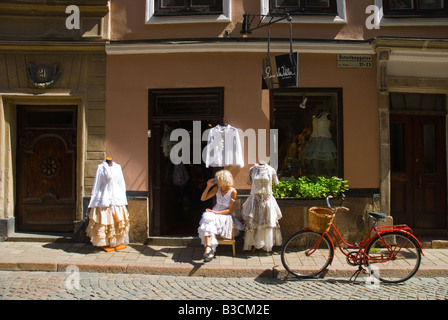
(355, 61)
(280, 72)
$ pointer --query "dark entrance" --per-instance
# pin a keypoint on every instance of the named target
(176, 189)
(418, 163)
(46, 168)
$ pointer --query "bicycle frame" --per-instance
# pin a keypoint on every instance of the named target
(360, 255)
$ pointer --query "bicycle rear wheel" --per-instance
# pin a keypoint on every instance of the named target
(307, 253)
(395, 256)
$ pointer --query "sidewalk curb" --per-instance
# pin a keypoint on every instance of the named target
(200, 270)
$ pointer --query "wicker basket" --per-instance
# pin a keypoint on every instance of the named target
(320, 219)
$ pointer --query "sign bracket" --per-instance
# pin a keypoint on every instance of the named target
(261, 23)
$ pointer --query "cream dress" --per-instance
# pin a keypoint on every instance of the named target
(108, 216)
(261, 212)
(213, 225)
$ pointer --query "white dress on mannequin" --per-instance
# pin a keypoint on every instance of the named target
(261, 213)
(108, 216)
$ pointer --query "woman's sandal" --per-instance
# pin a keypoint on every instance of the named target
(208, 254)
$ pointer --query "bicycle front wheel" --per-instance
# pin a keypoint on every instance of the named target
(394, 257)
(307, 253)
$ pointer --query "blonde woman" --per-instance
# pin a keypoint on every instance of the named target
(219, 220)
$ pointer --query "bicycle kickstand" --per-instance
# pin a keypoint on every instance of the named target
(356, 274)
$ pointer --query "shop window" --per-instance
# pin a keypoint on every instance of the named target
(422, 8)
(309, 124)
(187, 7)
(303, 6)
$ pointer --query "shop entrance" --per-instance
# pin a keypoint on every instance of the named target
(176, 188)
(46, 168)
(418, 162)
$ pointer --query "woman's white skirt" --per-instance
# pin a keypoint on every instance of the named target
(214, 225)
(108, 226)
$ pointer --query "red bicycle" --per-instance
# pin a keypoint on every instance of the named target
(390, 253)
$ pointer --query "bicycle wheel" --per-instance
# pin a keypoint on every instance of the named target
(307, 253)
(394, 257)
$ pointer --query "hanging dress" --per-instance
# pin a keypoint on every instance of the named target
(108, 217)
(223, 147)
(214, 225)
(261, 213)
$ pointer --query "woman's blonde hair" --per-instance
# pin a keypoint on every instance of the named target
(225, 177)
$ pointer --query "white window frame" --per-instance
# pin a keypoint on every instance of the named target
(341, 16)
(225, 16)
(404, 21)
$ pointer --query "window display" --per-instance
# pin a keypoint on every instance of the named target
(308, 124)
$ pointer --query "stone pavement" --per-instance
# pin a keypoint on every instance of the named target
(172, 260)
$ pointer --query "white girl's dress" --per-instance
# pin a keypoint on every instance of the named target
(261, 213)
(320, 154)
(108, 217)
(213, 225)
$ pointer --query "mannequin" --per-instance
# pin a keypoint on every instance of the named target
(108, 217)
(261, 213)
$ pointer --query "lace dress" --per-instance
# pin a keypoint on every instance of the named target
(320, 154)
(213, 225)
(108, 216)
(261, 212)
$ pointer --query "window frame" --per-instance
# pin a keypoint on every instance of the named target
(188, 9)
(224, 17)
(302, 9)
(339, 18)
(415, 12)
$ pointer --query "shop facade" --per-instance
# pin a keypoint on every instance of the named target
(190, 71)
(138, 70)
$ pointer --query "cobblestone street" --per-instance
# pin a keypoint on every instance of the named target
(100, 286)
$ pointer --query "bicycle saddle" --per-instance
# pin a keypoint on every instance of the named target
(378, 215)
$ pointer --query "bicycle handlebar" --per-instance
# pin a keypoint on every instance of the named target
(331, 197)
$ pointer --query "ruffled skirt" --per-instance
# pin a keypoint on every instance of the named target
(261, 216)
(109, 226)
(214, 225)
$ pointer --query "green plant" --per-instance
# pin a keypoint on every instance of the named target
(310, 187)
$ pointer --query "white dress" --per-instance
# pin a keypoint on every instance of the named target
(320, 153)
(213, 225)
(223, 147)
(108, 216)
(261, 213)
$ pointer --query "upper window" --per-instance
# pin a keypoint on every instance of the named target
(303, 6)
(187, 7)
(419, 8)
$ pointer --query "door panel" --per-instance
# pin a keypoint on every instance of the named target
(46, 162)
(418, 171)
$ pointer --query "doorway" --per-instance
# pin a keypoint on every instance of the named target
(418, 163)
(176, 188)
(46, 168)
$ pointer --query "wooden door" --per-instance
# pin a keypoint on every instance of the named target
(418, 172)
(46, 168)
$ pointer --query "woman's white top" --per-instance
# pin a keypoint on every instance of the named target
(109, 187)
